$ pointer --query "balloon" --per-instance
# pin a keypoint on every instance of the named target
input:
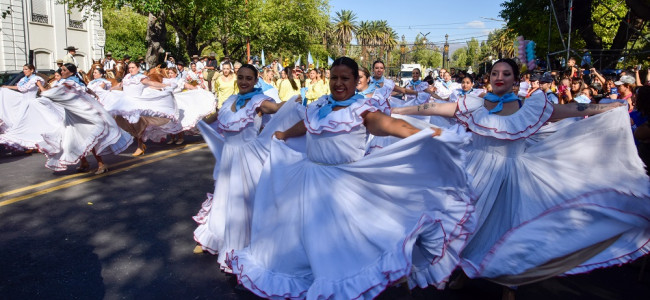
(532, 65)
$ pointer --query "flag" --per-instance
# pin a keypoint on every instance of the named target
(310, 60)
(317, 64)
(329, 61)
(298, 61)
(263, 61)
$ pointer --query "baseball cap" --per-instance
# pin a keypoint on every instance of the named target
(625, 79)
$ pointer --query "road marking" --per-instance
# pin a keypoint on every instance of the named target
(45, 183)
(83, 180)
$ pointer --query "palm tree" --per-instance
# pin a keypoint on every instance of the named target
(390, 42)
(502, 42)
(344, 28)
(364, 37)
(383, 35)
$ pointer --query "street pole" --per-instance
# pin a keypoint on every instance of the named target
(568, 46)
(445, 54)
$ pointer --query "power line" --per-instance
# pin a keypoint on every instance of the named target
(441, 24)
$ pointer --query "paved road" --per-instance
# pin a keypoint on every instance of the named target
(128, 235)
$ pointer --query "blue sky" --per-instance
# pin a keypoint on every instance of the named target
(461, 19)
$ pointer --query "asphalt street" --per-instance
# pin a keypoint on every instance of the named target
(127, 234)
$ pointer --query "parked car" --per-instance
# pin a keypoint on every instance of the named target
(12, 77)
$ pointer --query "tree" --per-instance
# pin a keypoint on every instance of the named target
(364, 37)
(345, 27)
(289, 27)
(153, 9)
(126, 31)
(459, 58)
(268, 24)
(473, 53)
(501, 42)
(594, 24)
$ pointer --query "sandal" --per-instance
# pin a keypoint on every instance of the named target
(101, 170)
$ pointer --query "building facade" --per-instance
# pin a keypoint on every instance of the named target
(37, 31)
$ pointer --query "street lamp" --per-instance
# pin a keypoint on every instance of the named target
(445, 53)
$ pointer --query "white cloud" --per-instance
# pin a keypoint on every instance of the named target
(475, 24)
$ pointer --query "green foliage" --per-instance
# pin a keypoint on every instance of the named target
(125, 32)
(606, 23)
(291, 27)
(345, 27)
(530, 18)
(459, 58)
(473, 53)
(425, 54)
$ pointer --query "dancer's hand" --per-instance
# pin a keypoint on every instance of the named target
(280, 135)
(436, 131)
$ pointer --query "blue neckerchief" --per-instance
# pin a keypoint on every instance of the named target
(447, 84)
(98, 79)
(331, 103)
(463, 92)
(25, 79)
(377, 82)
(509, 97)
(370, 89)
(241, 99)
(265, 86)
(415, 83)
(75, 79)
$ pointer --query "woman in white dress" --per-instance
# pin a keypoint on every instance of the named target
(553, 199)
(99, 85)
(364, 87)
(416, 84)
(330, 223)
(240, 147)
(195, 77)
(386, 87)
(193, 103)
(87, 126)
(466, 88)
(445, 87)
(23, 116)
(138, 108)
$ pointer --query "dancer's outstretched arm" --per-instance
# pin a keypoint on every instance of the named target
(298, 129)
(380, 124)
(428, 109)
(561, 111)
(270, 107)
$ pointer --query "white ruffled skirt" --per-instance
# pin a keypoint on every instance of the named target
(348, 231)
(572, 198)
(225, 217)
(24, 119)
(86, 126)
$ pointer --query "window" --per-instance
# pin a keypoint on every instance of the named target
(42, 60)
(40, 11)
(76, 19)
(81, 61)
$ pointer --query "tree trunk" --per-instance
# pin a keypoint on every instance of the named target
(156, 37)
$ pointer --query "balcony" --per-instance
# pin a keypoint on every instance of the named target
(77, 24)
(38, 18)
